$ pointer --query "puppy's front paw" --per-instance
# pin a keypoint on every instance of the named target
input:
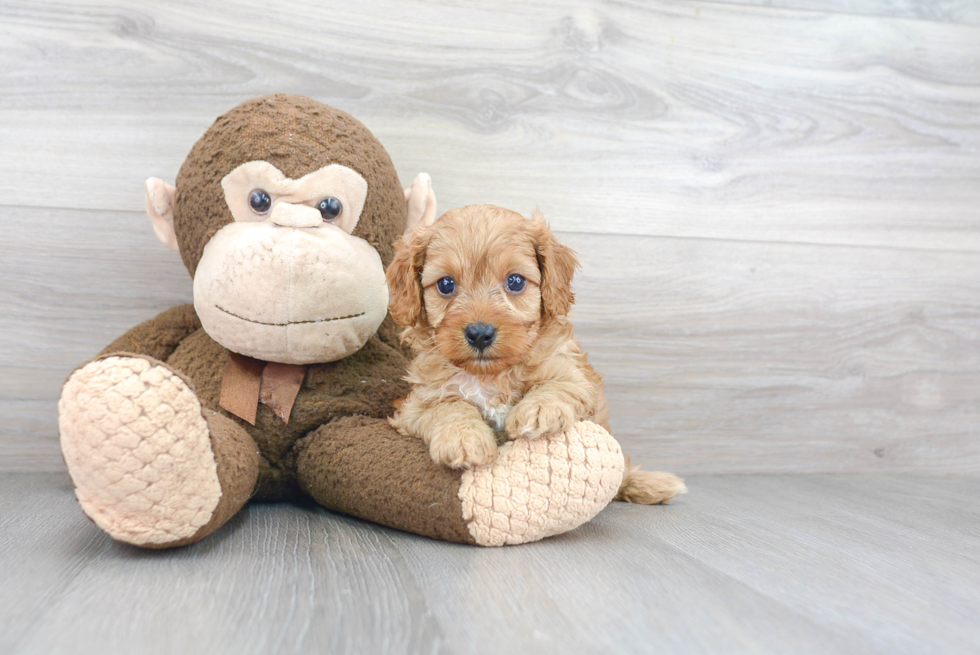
(532, 418)
(464, 446)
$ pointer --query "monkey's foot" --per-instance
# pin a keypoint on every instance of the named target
(149, 465)
(541, 487)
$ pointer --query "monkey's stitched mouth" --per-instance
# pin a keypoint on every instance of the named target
(316, 320)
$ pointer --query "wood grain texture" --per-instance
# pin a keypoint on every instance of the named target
(776, 207)
(664, 118)
(846, 552)
(94, 275)
(722, 356)
(45, 542)
(965, 12)
(740, 565)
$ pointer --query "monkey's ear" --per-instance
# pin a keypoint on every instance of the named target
(557, 264)
(160, 208)
(421, 201)
(404, 276)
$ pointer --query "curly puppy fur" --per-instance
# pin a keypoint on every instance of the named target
(533, 378)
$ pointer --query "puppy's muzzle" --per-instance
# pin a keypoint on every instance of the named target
(480, 335)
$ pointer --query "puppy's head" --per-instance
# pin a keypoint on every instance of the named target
(480, 283)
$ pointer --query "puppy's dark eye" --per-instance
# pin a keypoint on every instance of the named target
(330, 208)
(259, 201)
(516, 283)
(446, 286)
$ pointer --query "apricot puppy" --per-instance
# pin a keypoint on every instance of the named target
(484, 294)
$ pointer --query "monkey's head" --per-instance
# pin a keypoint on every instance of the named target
(285, 213)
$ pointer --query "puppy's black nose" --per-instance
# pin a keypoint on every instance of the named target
(480, 335)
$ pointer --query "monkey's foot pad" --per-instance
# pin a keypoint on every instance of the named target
(542, 487)
(138, 451)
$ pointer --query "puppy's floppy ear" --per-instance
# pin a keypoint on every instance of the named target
(557, 264)
(404, 278)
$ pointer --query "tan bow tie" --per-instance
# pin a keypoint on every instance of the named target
(247, 382)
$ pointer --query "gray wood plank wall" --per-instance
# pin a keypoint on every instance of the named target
(777, 204)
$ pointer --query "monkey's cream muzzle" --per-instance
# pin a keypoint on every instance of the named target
(296, 296)
(288, 286)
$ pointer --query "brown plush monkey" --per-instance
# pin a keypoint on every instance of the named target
(276, 383)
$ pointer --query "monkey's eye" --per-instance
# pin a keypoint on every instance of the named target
(259, 201)
(330, 208)
(446, 286)
(516, 283)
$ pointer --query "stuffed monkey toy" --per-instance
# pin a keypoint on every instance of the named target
(276, 383)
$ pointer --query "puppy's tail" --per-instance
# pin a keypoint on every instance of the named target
(649, 487)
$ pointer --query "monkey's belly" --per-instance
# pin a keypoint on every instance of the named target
(366, 384)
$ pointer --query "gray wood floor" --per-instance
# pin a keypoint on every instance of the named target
(742, 564)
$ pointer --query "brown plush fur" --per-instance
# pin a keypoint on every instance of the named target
(297, 135)
(534, 373)
(361, 466)
(365, 383)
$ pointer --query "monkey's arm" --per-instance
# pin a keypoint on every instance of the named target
(159, 336)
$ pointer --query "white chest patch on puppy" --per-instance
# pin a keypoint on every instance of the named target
(485, 396)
